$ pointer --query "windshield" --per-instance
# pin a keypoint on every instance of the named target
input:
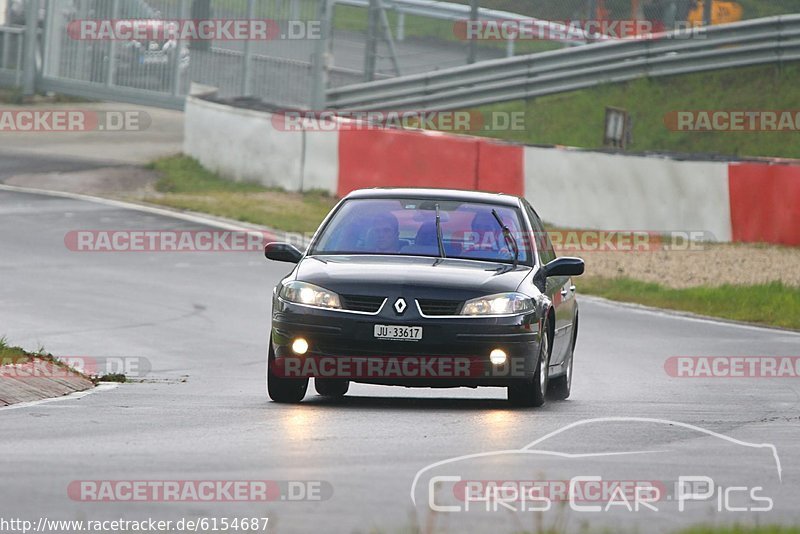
(408, 227)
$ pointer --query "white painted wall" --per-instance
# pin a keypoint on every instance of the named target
(577, 189)
(243, 145)
(321, 162)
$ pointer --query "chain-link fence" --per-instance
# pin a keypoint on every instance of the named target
(315, 43)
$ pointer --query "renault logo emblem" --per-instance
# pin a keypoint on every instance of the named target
(400, 306)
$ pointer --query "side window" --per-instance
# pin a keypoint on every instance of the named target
(543, 243)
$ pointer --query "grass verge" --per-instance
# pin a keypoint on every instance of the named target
(185, 184)
(577, 118)
(773, 304)
(12, 355)
(14, 96)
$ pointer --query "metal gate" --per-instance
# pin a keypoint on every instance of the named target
(159, 72)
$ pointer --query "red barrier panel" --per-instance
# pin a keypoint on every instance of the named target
(765, 203)
(501, 168)
(398, 158)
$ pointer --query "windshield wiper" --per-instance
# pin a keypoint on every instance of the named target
(439, 232)
(508, 236)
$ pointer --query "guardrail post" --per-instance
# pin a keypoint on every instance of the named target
(510, 47)
(247, 57)
(31, 44)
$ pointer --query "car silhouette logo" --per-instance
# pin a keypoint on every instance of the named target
(400, 306)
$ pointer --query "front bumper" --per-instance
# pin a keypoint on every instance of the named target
(453, 352)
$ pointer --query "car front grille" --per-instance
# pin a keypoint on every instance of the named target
(439, 307)
(362, 303)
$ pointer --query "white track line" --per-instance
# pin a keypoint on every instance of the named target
(103, 386)
(191, 217)
(677, 314)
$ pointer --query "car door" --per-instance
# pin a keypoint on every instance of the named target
(558, 288)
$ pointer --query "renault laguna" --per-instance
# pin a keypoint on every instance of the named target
(425, 288)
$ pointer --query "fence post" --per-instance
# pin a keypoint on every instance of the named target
(371, 48)
(474, 15)
(401, 26)
(31, 44)
(112, 53)
(184, 9)
(246, 87)
(54, 22)
(321, 50)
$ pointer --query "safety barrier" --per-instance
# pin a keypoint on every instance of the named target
(572, 188)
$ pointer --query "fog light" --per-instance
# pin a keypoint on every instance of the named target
(498, 357)
(300, 346)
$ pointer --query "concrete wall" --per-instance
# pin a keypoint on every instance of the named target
(600, 191)
(245, 145)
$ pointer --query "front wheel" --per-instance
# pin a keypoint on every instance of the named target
(331, 387)
(284, 390)
(531, 392)
(561, 387)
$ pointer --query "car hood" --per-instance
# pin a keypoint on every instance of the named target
(411, 276)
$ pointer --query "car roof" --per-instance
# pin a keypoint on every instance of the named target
(433, 193)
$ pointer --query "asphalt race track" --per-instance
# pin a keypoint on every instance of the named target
(201, 322)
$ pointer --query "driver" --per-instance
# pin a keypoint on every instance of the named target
(488, 239)
(384, 235)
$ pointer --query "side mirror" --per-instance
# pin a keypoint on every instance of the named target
(564, 267)
(282, 252)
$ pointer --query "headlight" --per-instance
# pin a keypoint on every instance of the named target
(501, 304)
(303, 293)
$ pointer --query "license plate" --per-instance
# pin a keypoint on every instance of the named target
(402, 333)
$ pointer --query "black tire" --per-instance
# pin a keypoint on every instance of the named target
(560, 387)
(531, 392)
(331, 387)
(284, 390)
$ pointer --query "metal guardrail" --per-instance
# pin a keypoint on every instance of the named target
(752, 42)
